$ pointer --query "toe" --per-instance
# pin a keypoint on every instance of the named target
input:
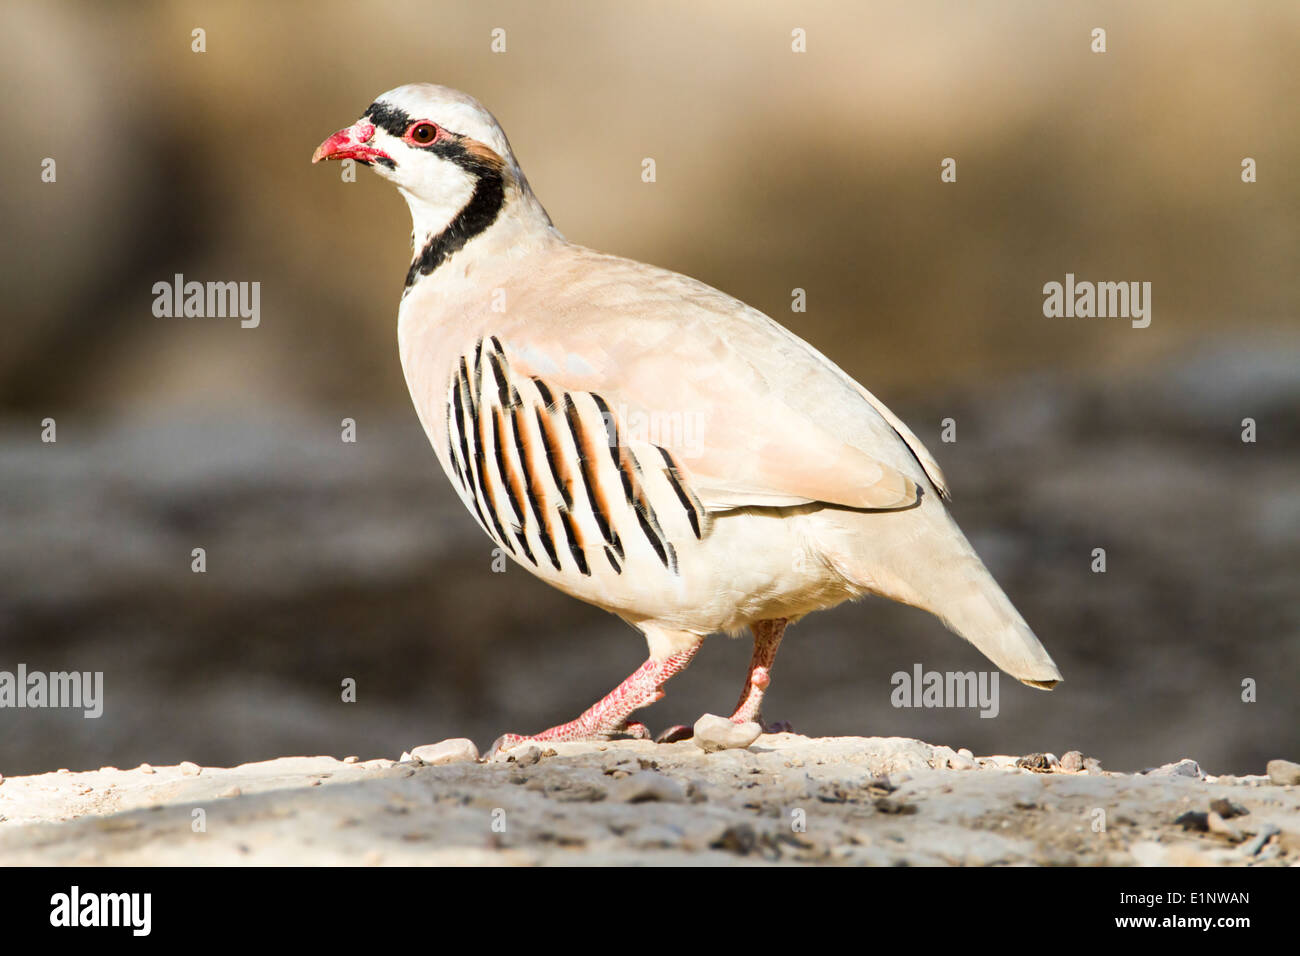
(504, 742)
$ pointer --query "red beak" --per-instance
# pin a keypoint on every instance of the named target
(350, 143)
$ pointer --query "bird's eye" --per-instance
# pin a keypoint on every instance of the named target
(424, 133)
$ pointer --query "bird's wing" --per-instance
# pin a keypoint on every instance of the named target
(749, 414)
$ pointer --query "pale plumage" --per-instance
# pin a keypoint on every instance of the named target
(645, 442)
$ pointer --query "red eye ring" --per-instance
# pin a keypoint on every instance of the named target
(422, 133)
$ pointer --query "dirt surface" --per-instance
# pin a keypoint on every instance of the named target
(785, 799)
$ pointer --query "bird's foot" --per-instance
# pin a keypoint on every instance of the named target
(745, 715)
(611, 715)
(634, 730)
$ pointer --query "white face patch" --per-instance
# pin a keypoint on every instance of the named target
(437, 183)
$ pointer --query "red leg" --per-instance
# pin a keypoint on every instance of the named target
(610, 714)
(767, 638)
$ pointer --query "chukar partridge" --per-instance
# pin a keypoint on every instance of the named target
(644, 442)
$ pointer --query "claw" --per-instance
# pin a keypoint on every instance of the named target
(504, 742)
(636, 730)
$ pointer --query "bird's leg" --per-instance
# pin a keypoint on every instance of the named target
(610, 714)
(767, 638)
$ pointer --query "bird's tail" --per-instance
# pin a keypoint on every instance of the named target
(934, 567)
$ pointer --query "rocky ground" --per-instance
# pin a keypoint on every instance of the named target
(785, 799)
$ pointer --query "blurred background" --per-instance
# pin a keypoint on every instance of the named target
(775, 170)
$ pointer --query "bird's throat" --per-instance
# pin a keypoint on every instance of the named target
(474, 218)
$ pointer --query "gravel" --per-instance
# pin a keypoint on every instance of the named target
(785, 799)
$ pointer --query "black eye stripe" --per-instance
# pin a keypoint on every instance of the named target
(390, 119)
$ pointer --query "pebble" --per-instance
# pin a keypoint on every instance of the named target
(1072, 761)
(673, 734)
(190, 769)
(1227, 809)
(230, 792)
(145, 768)
(648, 786)
(455, 750)
(1284, 773)
(525, 756)
(960, 761)
(352, 759)
(713, 733)
(1183, 768)
(1039, 763)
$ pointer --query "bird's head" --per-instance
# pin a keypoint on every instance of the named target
(446, 154)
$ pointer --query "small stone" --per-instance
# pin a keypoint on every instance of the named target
(713, 733)
(352, 759)
(959, 761)
(965, 752)
(1183, 768)
(455, 750)
(1035, 762)
(1194, 820)
(190, 769)
(230, 792)
(739, 838)
(1092, 765)
(1072, 761)
(525, 756)
(1227, 809)
(145, 768)
(1284, 773)
(647, 786)
(674, 733)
